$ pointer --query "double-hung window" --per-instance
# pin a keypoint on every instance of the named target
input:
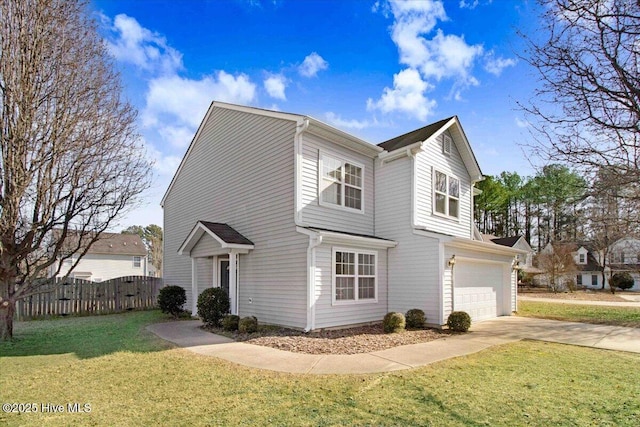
(137, 261)
(354, 276)
(340, 183)
(446, 195)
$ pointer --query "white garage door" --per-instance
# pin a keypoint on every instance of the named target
(477, 288)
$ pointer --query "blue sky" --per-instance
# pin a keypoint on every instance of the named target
(374, 68)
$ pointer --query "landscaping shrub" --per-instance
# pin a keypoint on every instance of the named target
(248, 325)
(393, 322)
(622, 281)
(213, 305)
(171, 299)
(459, 321)
(415, 318)
(230, 322)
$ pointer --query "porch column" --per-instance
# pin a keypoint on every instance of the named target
(233, 281)
(194, 287)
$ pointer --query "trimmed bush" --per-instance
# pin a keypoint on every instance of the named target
(622, 281)
(415, 318)
(171, 299)
(213, 305)
(230, 322)
(393, 322)
(459, 321)
(248, 325)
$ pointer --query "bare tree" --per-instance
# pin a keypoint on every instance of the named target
(557, 261)
(587, 109)
(71, 163)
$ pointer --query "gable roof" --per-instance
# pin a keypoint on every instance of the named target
(226, 236)
(412, 137)
(432, 131)
(110, 244)
(226, 233)
(507, 241)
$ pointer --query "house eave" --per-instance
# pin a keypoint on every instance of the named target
(344, 139)
(200, 230)
(336, 237)
(486, 247)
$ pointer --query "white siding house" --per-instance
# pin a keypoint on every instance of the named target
(310, 227)
(113, 255)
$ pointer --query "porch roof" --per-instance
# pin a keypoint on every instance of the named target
(226, 236)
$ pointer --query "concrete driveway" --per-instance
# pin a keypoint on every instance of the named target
(187, 334)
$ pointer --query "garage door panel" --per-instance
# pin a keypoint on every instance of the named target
(476, 289)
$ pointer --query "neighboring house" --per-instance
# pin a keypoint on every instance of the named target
(310, 227)
(525, 263)
(589, 273)
(113, 255)
(624, 256)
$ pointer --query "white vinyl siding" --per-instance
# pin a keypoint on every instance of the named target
(354, 276)
(329, 314)
(240, 171)
(414, 264)
(105, 267)
(427, 162)
(315, 212)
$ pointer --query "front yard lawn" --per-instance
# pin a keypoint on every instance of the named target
(136, 380)
(601, 315)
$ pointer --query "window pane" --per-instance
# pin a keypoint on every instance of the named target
(353, 175)
(453, 207)
(332, 193)
(441, 182)
(345, 288)
(331, 168)
(366, 288)
(594, 280)
(440, 203)
(366, 265)
(454, 187)
(352, 197)
(345, 263)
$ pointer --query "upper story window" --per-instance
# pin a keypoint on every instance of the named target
(582, 258)
(340, 183)
(137, 261)
(447, 195)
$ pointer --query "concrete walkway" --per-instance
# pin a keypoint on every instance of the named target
(631, 301)
(187, 334)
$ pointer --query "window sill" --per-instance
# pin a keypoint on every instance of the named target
(354, 302)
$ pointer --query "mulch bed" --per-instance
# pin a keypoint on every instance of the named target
(361, 339)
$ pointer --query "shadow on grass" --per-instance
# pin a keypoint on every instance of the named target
(86, 337)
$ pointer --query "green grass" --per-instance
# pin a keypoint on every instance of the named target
(143, 383)
(601, 315)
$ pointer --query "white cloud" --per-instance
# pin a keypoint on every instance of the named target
(468, 5)
(449, 56)
(522, 123)
(275, 86)
(312, 64)
(186, 100)
(338, 121)
(141, 47)
(495, 65)
(407, 96)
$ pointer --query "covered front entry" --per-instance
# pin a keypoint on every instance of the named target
(215, 250)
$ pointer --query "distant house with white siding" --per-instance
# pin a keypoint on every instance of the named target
(310, 227)
(113, 255)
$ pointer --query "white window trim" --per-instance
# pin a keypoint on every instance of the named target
(134, 261)
(342, 160)
(357, 252)
(434, 192)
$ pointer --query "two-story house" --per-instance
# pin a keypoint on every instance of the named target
(310, 227)
(113, 255)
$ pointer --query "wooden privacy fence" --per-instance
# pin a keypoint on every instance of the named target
(76, 296)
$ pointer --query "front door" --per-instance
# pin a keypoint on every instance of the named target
(223, 268)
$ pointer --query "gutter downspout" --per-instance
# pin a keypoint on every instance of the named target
(311, 281)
